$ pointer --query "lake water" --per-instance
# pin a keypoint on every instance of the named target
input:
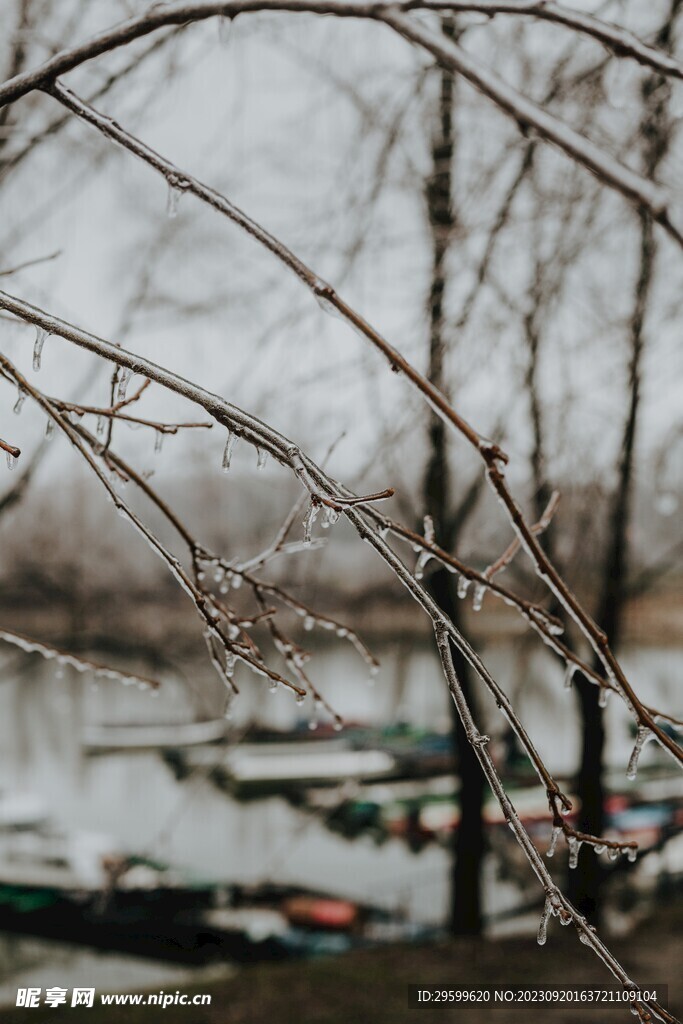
(136, 798)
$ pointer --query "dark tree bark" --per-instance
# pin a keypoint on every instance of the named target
(586, 881)
(466, 909)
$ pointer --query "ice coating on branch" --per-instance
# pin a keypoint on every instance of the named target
(642, 736)
(49, 430)
(11, 461)
(330, 517)
(569, 673)
(543, 924)
(21, 398)
(574, 847)
(41, 335)
(261, 458)
(463, 586)
(478, 597)
(124, 376)
(228, 450)
(309, 519)
(555, 835)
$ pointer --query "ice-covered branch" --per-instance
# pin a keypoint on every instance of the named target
(61, 657)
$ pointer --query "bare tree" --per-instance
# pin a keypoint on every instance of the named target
(227, 628)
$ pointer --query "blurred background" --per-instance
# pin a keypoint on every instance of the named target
(146, 838)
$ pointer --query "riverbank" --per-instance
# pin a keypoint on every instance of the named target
(371, 986)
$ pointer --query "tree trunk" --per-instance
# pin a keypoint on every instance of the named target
(465, 910)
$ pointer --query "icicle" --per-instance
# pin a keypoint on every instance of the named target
(330, 517)
(49, 430)
(543, 925)
(11, 461)
(574, 847)
(158, 441)
(463, 586)
(569, 675)
(172, 199)
(261, 458)
(124, 376)
(21, 398)
(422, 560)
(555, 835)
(478, 597)
(642, 737)
(41, 335)
(228, 450)
(604, 695)
(224, 26)
(309, 519)
(101, 424)
(430, 535)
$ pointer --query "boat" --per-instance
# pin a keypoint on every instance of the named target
(99, 739)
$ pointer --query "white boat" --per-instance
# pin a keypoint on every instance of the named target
(99, 738)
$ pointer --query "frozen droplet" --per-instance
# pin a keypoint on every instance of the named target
(300, 698)
(124, 376)
(41, 335)
(224, 27)
(599, 847)
(218, 574)
(309, 519)
(313, 723)
(228, 450)
(21, 398)
(422, 561)
(642, 737)
(273, 686)
(631, 854)
(478, 597)
(543, 924)
(330, 517)
(612, 853)
(463, 586)
(569, 675)
(49, 430)
(583, 937)
(383, 532)
(158, 441)
(604, 695)
(555, 835)
(338, 725)
(309, 623)
(574, 847)
(11, 460)
(236, 581)
(101, 424)
(261, 458)
(172, 200)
